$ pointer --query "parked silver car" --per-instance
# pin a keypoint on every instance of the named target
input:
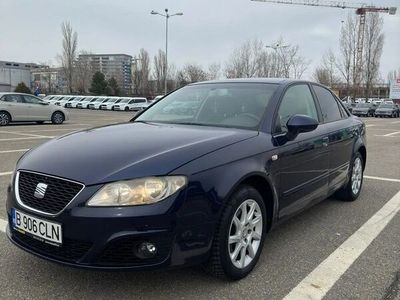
(16, 107)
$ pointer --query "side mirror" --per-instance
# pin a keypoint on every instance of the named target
(298, 124)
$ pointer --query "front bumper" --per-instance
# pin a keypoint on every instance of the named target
(108, 238)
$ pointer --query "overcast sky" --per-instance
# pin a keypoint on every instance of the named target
(207, 33)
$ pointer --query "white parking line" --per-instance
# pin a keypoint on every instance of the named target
(392, 134)
(12, 151)
(370, 125)
(317, 284)
(48, 130)
(3, 225)
(395, 122)
(25, 134)
(5, 173)
(26, 138)
(382, 178)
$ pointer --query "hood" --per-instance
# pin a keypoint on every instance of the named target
(385, 109)
(126, 151)
(361, 108)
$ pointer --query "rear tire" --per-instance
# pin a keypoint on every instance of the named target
(5, 118)
(57, 118)
(239, 237)
(352, 189)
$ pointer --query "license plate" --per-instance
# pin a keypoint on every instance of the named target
(45, 231)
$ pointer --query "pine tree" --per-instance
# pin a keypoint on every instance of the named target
(99, 84)
(22, 88)
(114, 88)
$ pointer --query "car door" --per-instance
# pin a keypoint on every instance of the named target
(36, 109)
(340, 132)
(13, 103)
(302, 162)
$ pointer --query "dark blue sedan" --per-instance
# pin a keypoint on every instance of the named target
(200, 177)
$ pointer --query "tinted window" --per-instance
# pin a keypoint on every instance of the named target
(297, 100)
(12, 98)
(240, 105)
(329, 106)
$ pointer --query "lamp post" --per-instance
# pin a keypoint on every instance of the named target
(166, 16)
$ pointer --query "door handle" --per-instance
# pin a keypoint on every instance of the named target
(325, 141)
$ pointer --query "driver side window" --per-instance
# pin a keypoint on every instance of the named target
(297, 100)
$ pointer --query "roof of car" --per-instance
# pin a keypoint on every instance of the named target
(14, 93)
(252, 80)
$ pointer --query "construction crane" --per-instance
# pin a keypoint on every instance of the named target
(361, 10)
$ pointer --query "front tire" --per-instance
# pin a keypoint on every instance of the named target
(57, 118)
(352, 189)
(240, 235)
(5, 118)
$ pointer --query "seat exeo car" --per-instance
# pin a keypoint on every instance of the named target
(199, 185)
(19, 107)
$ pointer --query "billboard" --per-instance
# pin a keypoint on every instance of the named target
(395, 89)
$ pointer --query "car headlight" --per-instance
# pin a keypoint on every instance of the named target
(138, 191)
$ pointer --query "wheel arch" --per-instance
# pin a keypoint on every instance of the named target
(264, 186)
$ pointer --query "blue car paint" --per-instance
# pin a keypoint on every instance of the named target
(215, 160)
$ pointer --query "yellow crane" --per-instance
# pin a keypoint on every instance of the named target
(360, 9)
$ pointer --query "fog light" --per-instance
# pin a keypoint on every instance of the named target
(146, 250)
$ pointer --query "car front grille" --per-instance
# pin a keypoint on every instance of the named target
(57, 195)
(70, 250)
(122, 252)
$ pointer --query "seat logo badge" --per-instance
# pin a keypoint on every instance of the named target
(40, 190)
(274, 157)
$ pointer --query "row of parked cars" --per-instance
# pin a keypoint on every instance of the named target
(100, 102)
(370, 109)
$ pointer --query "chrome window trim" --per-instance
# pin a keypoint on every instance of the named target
(19, 201)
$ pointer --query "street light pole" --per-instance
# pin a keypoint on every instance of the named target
(166, 16)
(166, 53)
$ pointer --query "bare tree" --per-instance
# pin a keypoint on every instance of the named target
(193, 73)
(374, 40)
(245, 60)
(141, 73)
(346, 63)
(83, 72)
(325, 73)
(253, 60)
(158, 70)
(214, 71)
(69, 45)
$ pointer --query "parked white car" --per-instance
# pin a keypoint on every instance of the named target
(17, 107)
(133, 104)
(63, 100)
(96, 104)
(73, 101)
(85, 103)
(110, 103)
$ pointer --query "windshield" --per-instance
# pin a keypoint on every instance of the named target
(386, 106)
(363, 105)
(239, 105)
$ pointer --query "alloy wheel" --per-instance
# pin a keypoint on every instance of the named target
(58, 118)
(356, 177)
(4, 119)
(245, 233)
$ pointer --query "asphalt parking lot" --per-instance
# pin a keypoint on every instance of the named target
(304, 247)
